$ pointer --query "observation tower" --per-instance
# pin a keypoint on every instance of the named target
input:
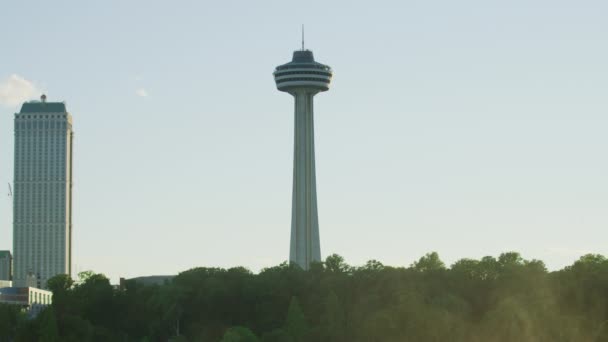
(303, 78)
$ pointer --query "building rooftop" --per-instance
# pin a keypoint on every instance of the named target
(4, 253)
(43, 107)
(303, 59)
(303, 56)
(152, 280)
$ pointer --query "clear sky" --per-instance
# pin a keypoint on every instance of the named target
(468, 128)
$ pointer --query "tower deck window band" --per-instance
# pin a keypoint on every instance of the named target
(302, 72)
(303, 78)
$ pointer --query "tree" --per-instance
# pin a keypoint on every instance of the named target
(295, 325)
(48, 326)
(84, 275)
(276, 335)
(239, 334)
(335, 263)
(333, 319)
(95, 297)
(60, 284)
(75, 329)
(429, 262)
(504, 298)
(372, 266)
(10, 319)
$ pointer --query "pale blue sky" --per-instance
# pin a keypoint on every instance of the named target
(463, 127)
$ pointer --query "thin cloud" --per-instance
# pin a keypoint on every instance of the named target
(141, 92)
(15, 90)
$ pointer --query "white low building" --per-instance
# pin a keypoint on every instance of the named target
(30, 299)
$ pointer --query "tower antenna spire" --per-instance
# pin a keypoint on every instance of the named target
(302, 37)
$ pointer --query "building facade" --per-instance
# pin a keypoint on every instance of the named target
(42, 194)
(29, 298)
(303, 78)
(6, 265)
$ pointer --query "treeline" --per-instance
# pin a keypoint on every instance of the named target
(488, 300)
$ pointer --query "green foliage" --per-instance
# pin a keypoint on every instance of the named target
(372, 266)
(429, 263)
(276, 335)
(336, 264)
(47, 329)
(10, 319)
(60, 284)
(295, 325)
(333, 319)
(239, 334)
(84, 276)
(495, 299)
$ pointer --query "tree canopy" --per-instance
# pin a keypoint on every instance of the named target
(504, 298)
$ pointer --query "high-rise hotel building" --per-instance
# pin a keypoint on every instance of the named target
(42, 195)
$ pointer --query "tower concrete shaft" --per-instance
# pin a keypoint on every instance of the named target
(305, 246)
(303, 78)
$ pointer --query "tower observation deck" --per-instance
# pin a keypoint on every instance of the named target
(303, 78)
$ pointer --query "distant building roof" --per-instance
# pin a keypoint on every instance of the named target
(43, 107)
(152, 280)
